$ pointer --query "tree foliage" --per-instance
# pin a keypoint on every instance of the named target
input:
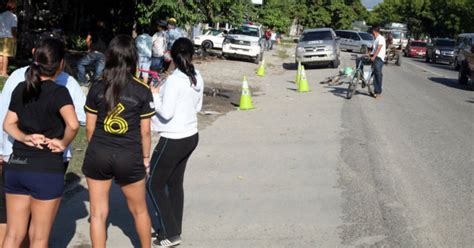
(427, 17)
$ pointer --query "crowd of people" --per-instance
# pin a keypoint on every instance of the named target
(42, 108)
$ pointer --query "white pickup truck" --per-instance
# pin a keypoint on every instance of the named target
(245, 42)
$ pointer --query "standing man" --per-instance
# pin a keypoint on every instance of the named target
(8, 25)
(160, 45)
(97, 41)
(378, 57)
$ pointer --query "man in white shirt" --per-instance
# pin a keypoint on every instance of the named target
(8, 24)
(159, 46)
(378, 57)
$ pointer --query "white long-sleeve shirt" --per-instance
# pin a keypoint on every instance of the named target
(18, 76)
(177, 105)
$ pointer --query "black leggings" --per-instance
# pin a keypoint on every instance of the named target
(165, 184)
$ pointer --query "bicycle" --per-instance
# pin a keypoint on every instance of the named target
(365, 78)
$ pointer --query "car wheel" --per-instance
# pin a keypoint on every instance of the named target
(207, 44)
(462, 76)
(455, 65)
(257, 59)
(399, 60)
(335, 63)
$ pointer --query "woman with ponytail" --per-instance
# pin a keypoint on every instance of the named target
(42, 120)
(118, 112)
(177, 103)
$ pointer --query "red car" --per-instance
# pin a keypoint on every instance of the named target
(415, 49)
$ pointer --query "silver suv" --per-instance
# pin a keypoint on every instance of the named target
(355, 41)
(318, 46)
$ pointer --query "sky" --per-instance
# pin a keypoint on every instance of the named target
(371, 3)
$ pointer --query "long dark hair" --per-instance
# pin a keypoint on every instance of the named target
(182, 53)
(47, 59)
(120, 65)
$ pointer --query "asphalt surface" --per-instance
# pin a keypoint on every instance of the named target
(317, 170)
(408, 171)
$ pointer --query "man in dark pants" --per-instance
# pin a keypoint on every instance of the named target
(378, 57)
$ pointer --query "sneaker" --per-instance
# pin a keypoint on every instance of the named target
(169, 242)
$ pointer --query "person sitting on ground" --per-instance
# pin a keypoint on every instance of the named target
(8, 33)
(144, 44)
(97, 41)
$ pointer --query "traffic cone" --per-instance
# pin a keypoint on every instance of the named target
(298, 74)
(261, 69)
(245, 98)
(303, 84)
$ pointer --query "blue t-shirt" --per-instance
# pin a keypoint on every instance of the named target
(144, 44)
(173, 35)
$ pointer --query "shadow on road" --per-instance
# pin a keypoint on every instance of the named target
(450, 82)
(290, 66)
(73, 209)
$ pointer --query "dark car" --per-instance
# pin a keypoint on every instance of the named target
(441, 50)
(415, 49)
(466, 68)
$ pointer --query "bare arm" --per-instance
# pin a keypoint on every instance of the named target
(14, 33)
(72, 127)
(89, 41)
(10, 125)
(91, 120)
(379, 47)
(145, 130)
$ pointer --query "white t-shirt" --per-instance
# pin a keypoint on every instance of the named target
(8, 20)
(380, 42)
(274, 36)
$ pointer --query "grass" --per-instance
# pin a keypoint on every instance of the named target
(79, 146)
(2, 82)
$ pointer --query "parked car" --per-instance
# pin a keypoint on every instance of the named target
(318, 46)
(210, 39)
(354, 41)
(415, 49)
(441, 50)
(463, 44)
(466, 68)
(244, 42)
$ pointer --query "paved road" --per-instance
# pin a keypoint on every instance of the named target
(408, 171)
(317, 170)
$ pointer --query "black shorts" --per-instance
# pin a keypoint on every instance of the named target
(104, 163)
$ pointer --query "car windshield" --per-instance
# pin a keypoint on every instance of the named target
(245, 31)
(396, 35)
(317, 35)
(446, 43)
(418, 44)
(366, 36)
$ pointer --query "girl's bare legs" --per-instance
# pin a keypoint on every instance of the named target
(43, 213)
(135, 194)
(18, 214)
(99, 210)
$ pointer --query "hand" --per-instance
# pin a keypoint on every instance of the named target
(372, 58)
(35, 140)
(56, 145)
(146, 163)
(154, 90)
